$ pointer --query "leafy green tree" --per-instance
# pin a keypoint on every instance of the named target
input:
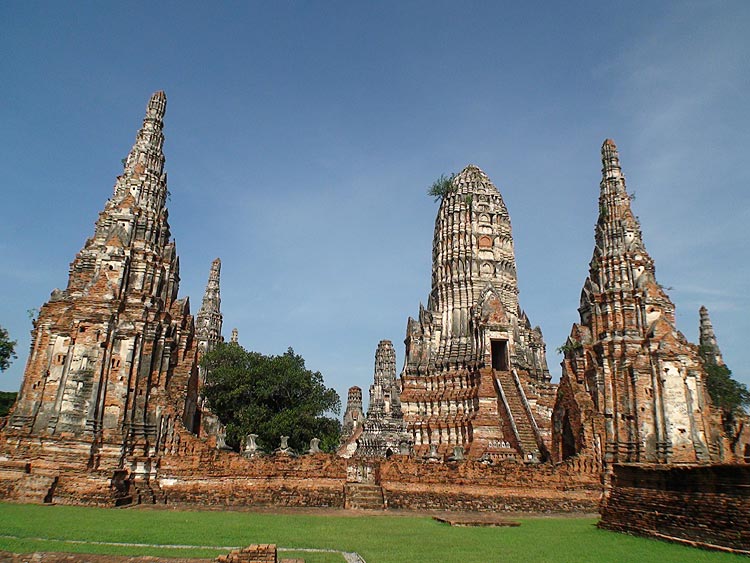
(728, 394)
(7, 398)
(7, 349)
(270, 396)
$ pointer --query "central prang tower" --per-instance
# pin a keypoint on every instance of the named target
(475, 373)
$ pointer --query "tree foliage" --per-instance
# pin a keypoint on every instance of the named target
(726, 393)
(7, 398)
(7, 349)
(270, 396)
(441, 187)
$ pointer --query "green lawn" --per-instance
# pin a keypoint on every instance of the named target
(377, 538)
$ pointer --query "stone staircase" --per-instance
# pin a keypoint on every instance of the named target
(518, 412)
(147, 492)
(35, 489)
(364, 496)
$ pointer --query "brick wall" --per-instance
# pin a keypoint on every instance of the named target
(702, 505)
(569, 487)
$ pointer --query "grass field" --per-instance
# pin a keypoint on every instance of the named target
(377, 538)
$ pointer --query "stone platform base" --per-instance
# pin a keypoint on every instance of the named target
(477, 520)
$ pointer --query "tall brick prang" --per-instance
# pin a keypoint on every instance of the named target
(632, 388)
(115, 350)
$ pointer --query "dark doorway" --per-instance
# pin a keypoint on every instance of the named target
(747, 453)
(500, 355)
(568, 440)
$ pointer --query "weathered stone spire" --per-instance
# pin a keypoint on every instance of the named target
(384, 399)
(632, 387)
(383, 432)
(353, 415)
(209, 319)
(709, 346)
(235, 337)
(464, 262)
(620, 261)
(143, 172)
(109, 350)
(472, 322)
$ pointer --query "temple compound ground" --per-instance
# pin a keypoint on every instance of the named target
(110, 411)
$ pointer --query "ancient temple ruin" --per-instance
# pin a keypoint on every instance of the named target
(354, 417)
(707, 339)
(632, 387)
(113, 354)
(382, 432)
(208, 323)
(110, 411)
(475, 374)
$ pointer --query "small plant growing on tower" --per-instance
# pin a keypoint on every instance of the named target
(569, 346)
(441, 187)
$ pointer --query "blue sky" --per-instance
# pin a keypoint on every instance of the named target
(301, 137)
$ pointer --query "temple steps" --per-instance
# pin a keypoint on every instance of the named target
(518, 412)
(35, 489)
(363, 496)
(147, 492)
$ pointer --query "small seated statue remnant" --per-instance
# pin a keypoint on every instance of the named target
(314, 446)
(221, 439)
(433, 456)
(284, 448)
(458, 454)
(251, 448)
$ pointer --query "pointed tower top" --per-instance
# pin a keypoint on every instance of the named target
(610, 160)
(709, 346)
(472, 180)
(617, 228)
(147, 150)
(157, 105)
(209, 318)
(235, 336)
(143, 172)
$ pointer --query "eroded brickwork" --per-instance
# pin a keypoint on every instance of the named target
(114, 352)
(705, 506)
(632, 388)
(476, 372)
(574, 486)
(260, 553)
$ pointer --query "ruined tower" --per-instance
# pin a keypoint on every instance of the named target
(383, 430)
(475, 373)
(632, 387)
(352, 425)
(708, 343)
(209, 319)
(113, 352)
(208, 324)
